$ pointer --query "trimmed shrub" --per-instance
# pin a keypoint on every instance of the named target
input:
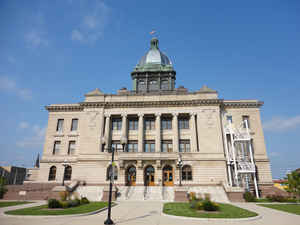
(84, 200)
(279, 198)
(53, 203)
(210, 206)
(64, 204)
(73, 203)
(249, 197)
(199, 205)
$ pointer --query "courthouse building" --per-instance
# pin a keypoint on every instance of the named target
(153, 128)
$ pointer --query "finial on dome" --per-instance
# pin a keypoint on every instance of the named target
(154, 43)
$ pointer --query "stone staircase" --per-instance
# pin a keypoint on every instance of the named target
(143, 193)
(217, 193)
(168, 194)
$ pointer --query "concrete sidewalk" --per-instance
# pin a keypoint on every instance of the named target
(150, 213)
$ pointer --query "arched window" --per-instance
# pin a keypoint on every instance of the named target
(52, 173)
(109, 172)
(68, 173)
(187, 173)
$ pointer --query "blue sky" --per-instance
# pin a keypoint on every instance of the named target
(56, 51)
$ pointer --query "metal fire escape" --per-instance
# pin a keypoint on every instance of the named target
(239, 154)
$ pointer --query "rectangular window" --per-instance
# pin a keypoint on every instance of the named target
(116, 145)
(132, 146)
(229, 119)
(166, 123)
(72, 147)
(56, 147)
(167, 146)
(60, 124)
(133, 124)
(184, 123)
(149, 146)
(149, 124)
(74, 124)
(116, 124)
(246, 119)
(184, 146)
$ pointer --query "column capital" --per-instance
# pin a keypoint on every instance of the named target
(193, 113)
(140, 114)
(158, 114)
(124, 114)
(107, 114)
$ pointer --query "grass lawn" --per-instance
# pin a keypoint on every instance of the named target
(291, 208)
(6, 204)
(43, 210)
(226, 211)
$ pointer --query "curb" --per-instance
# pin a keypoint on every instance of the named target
(214, 219)
(57, 216)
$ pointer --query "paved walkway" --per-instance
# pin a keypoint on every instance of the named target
(148, 213)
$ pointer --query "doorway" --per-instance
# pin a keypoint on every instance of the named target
(168, 176)
(130, 176)
(149, 176)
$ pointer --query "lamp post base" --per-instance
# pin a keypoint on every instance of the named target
(108, 221)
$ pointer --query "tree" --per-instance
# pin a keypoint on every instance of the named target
(293, 183)
(3, 189)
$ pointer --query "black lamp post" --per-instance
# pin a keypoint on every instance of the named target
(65, 164)
(180, 163)
(109, 220)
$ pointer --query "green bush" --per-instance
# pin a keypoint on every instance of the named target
(249, 197)
(73, 203)
(210, 206)
(199, 205)
(84, 200)
(53, 203)
(280, 198)
(64, 204)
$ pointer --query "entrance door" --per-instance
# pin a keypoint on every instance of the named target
(149, 176)
(168, 176)
(131, 176)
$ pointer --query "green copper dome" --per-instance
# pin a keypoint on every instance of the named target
(154, 59)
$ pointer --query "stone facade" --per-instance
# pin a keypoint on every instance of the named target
(148, 129)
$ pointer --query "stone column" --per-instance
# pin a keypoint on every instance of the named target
(199, 131)
(194, 147)
(102, 141)
(141, 133)
(107, 131)
(124, 129)
(157, 133)
(175, 132)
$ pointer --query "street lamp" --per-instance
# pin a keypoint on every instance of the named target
(179, 164)
(109, 220)
(65, 164)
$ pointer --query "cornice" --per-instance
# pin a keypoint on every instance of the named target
(61, 108)
(242, 104)
(149, 104)
(142, 104)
